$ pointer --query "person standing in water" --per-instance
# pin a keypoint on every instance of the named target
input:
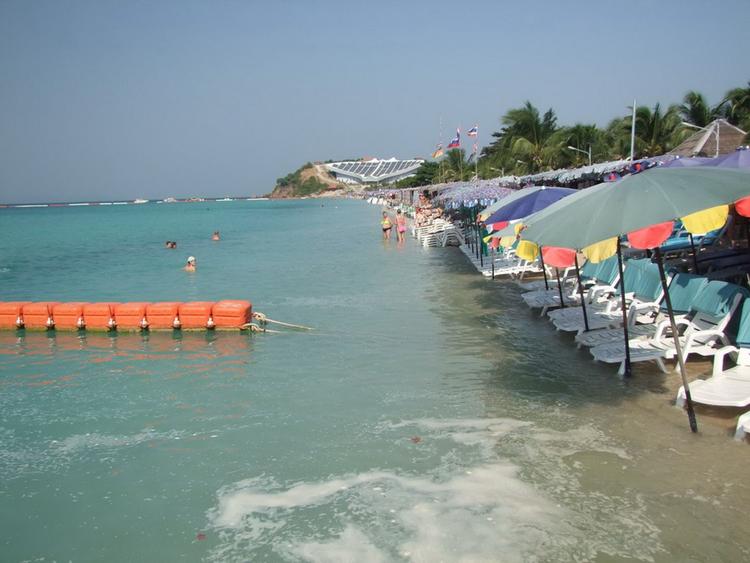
(215, 236)
(386, 224)
(400, 226)
(190, 266)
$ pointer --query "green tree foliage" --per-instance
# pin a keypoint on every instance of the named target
(529, 141)
(426, 174)
(736, 107)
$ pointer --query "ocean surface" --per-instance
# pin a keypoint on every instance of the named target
(428, 417)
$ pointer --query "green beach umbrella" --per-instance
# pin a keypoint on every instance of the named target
(636, 202)
(642, 206)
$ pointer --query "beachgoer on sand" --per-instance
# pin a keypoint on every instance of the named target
(387, 226)
(190, 266)
(400, 226)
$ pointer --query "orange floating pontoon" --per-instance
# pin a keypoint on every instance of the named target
(11, 314)
(229, 314)
(131, 316)
(68, 316)
(99, 316)
(38, 315)
(196, 314)
(163, 315)
(232, 314)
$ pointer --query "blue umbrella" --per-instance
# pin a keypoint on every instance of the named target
(693, 161)
(738, 159)
(534, 201)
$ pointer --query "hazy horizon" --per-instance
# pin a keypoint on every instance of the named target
(116, 101)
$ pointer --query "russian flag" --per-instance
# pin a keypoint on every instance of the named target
(473, 131)
(456, 141)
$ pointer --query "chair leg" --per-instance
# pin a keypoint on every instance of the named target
(662, 367)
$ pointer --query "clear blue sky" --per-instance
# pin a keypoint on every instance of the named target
(111, 99)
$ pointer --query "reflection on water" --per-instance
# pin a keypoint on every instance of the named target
(215, 343)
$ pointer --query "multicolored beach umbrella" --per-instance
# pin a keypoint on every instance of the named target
(534, 200)
(642, 207)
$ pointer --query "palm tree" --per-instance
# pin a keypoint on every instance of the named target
(736, 107)
(695, 110)
(656, 132)
(525, 137)
(455, 166)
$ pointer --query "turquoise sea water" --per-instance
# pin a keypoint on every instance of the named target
(428, 417)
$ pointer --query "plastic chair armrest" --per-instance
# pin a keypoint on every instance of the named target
(718, 368)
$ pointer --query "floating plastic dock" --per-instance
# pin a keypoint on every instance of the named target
(194, 315)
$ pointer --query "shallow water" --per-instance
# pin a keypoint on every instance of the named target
(428, 417)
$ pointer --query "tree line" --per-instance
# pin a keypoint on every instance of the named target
(530, 141)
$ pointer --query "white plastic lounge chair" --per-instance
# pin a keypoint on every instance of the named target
(604, 278)
(730, 387)
(568, 277)
(743, 425)
(683, 289)
(643, 293)
(703, 330)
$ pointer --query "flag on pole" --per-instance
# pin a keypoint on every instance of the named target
(438, 151)
(473, 131)
(456, 141)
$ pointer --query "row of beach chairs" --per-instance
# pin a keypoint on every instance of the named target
(703, 307)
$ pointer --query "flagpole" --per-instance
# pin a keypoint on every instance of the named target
(476, 156)
(460, 156)
(632, 136)
(440, 142)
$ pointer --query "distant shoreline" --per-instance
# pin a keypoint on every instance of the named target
(135, 202)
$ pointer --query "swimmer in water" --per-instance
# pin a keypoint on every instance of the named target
(215, 236)
(190, 266)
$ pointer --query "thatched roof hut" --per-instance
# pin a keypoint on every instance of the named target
(717, 138)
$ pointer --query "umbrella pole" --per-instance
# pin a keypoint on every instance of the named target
(481, 250)
(580, 292)
(476, 238)
(695, 256)
(678, 349)
(544, 270)
(559, 285)
(492, 257)
(628, 371)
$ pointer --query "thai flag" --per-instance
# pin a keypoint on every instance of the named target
(473, 132)
(456, 141)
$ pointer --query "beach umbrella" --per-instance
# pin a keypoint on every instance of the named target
(693, 161)
(534, 200)
(738, 159)
(643, 207)
(485, 213)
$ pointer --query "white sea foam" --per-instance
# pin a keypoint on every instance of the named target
(471, 516)
(86, 441)
(464, 510)
(351, 545)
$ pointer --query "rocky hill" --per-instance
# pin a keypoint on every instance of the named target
(311, 180)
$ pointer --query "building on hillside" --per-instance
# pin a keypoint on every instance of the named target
(374, 171)
(717, 138)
